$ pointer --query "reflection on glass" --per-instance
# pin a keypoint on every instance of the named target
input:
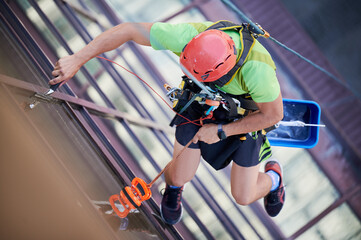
(341, 223)
(139, 10)
(309, 191)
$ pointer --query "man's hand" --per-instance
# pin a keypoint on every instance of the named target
(207, 134)
(111, 39)
(65, 69)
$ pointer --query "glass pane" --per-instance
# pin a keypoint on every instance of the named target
(55, 168)
(152, 103)
(219, 185)
(303, 180)
(204, 212)
(138, 10)
(341, 223)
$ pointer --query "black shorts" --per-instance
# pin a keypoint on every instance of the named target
(245, 150)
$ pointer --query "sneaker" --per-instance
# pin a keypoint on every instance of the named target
(274, 201)
(171, 206)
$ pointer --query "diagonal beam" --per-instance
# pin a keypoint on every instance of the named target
(92, 107)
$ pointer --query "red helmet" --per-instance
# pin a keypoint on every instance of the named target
(208, 56)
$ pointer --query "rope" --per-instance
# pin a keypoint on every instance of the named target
(256, 29)
(170, 163)
(189, 121)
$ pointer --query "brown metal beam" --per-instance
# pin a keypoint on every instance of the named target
(94, 108)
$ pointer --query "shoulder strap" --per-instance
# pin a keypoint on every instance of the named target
(225, 25)
(247, 42)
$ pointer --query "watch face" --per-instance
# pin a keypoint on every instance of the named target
(221, 134)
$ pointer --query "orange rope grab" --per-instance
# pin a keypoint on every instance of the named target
(132, 197)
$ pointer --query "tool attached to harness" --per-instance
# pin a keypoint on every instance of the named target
(189, 97)
(189, 92)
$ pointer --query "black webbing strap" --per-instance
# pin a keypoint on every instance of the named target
(233, 111)
(246, 102)
(247, 40)
(225, 25)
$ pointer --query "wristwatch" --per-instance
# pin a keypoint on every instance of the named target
(221, 134)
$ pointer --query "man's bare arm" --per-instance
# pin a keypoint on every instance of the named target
(269, 114)
(111, 39)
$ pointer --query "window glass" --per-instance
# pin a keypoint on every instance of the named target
(303, 180)
(68, 171)
(341, 223)
(138, 10)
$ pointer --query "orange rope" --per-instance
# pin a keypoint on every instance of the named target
(168, 165)
(150, 88)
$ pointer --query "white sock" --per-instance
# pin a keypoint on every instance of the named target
(275, 179)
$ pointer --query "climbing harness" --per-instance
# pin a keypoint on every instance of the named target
(207, 94)
(188, 93)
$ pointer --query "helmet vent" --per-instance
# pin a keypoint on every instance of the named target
(218, 65)
(195, 71)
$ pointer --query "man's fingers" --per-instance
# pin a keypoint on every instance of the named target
(55, 80)
(57, 66)
(56, 73)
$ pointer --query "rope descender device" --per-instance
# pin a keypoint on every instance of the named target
(131, 197)
(183, 96)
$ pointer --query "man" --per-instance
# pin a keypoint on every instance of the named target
(208, 55)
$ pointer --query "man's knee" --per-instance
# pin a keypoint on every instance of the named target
(174, 180)
(243, 198)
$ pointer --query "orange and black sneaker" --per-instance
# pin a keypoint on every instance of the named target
(274, 201)
(171, 207)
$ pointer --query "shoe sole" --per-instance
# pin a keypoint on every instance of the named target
(175, 222)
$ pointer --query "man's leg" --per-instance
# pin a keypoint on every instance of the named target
(248, 184)
(181, 171)
(184, 166)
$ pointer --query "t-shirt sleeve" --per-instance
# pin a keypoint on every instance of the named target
(261, 81)
(173, 37)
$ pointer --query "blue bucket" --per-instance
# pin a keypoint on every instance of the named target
(308, 112)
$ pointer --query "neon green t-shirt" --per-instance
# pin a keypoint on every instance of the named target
(257, 76)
